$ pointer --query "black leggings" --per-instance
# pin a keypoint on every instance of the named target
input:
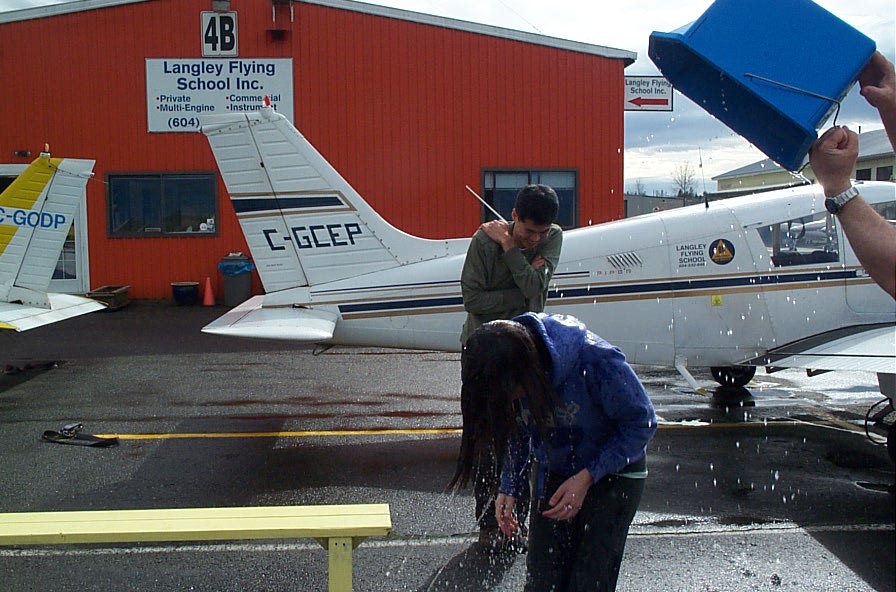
(584, 553)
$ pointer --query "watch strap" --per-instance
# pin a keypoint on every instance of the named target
(836, 202)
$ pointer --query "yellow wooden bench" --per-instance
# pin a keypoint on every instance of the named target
(339, 529)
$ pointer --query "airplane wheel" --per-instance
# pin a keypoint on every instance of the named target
(733, 375)
(891, 442)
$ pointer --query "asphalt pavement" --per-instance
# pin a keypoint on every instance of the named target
(772, 488)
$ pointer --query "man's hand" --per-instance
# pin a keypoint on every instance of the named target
(567, 500)
(878, 82)
(499, 231)
(538, 262)
(833, 157)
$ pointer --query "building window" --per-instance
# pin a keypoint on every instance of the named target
(884, 173)
(863, 174)
(178, 204)
(500, 189)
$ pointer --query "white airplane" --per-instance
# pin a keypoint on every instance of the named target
(763, 280)
(36, 211)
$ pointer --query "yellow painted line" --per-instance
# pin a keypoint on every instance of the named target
(442, 431)
(300, 434)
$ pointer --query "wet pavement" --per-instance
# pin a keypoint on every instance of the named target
(774, 487)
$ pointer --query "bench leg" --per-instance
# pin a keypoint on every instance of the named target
(339, 550)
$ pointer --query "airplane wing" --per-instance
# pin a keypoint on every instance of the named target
(20, 317)
(867, 348)
(251, 319)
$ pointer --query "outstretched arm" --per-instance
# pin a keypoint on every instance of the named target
(878, 85)
(872, 238)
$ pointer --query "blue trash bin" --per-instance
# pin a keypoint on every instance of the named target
(236, 269)
(771, 70)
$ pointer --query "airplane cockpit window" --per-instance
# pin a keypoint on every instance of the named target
(802, 241)
(886, 209)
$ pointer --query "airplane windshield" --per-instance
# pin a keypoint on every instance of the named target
(802, 241)
(886, 209)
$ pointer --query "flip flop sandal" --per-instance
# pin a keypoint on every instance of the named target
(71, 434)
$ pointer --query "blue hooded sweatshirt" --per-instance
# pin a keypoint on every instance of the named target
(603, 419)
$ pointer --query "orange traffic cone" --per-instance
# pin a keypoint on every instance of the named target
(208, 299)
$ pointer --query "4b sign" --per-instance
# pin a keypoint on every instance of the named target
(219, 34)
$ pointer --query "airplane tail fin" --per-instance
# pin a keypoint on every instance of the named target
(304, 223)
(36, 212)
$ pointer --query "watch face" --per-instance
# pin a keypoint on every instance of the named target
(831, 206)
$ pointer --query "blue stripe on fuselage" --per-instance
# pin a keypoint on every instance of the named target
(558, 295)
(700, 284)
(400, 304)
(267, 204)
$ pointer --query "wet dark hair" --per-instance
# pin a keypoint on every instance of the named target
(537, 203)
(498, 357)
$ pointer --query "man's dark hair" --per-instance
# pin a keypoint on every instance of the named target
(538, 204)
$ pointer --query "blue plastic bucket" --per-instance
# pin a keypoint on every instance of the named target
(771, 70)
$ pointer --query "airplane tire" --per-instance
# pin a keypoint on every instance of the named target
(733, 375)
(891, 442)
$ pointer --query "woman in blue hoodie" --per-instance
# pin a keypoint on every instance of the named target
(542, 391)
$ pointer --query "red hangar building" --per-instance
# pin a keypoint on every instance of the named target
(410, 108)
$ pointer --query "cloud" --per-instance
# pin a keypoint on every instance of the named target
(655, 142)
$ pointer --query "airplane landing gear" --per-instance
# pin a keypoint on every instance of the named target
(881, 420)
(891, 442)
(733, 375)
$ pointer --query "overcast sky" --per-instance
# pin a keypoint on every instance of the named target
(656, 143)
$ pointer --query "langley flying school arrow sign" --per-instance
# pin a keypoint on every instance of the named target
(647, 93)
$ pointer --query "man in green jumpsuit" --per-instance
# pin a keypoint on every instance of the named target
(507, 272)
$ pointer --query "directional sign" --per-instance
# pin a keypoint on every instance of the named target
(647, 93)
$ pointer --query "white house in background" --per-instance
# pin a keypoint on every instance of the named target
(875, 163)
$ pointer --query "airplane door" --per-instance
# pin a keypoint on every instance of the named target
(863, 295)
(719, 312)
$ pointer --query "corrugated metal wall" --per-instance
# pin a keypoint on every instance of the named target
(409, 113)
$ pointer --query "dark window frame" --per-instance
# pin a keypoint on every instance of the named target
(162, 210)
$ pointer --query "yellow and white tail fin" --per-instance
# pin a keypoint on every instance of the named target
(304, 223)
(36, 212)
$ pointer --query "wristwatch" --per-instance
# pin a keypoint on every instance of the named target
(835, 203)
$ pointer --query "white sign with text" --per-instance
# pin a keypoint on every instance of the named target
(179, 90)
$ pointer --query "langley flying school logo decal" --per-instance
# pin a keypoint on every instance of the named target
(721, 252)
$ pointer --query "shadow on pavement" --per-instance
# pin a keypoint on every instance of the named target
(475, 569)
